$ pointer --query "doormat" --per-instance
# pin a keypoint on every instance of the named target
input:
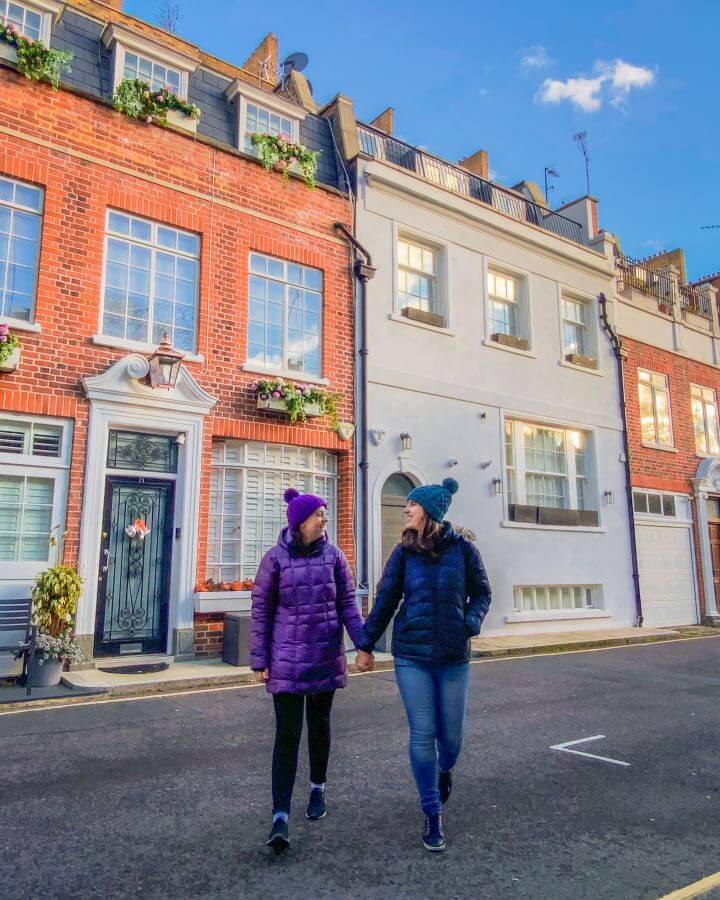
(139, 669)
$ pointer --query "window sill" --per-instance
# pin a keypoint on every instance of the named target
(436, 329)
(557, 615)
(255, 369)
(21, 324)
(533, 526)
(586, 369)
(102, 340)
(505, 349)
(222, 601)
(662, 447)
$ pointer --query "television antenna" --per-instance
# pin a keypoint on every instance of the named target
(553, 173)
(706, 227)
(581, 138)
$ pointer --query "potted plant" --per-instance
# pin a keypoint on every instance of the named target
(278, 152)
(55, 597)
(9, 349)
(298, 400)
(33, 59)
(138, 100)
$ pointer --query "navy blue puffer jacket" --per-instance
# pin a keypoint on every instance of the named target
(444, 601)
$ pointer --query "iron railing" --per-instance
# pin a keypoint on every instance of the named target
(381, 146)
(662, 287)
(693, 301)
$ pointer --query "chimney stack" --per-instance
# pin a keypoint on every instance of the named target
(477, 163)
(384, 122)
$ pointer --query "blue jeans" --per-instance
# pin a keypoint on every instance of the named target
(435, 698)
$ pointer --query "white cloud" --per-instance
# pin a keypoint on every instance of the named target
(581, 92)
(536, 58)
(619, 78)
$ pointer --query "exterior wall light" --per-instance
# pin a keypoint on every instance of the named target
(497, 485)
(609, 497)
(164, 365)
(405, 442)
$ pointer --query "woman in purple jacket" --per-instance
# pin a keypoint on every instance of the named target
(303, 595)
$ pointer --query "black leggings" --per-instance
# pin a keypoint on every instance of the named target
(288, 731)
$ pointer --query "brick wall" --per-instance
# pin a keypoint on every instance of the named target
(88, 158)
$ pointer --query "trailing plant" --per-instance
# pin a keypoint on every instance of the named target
(55, 597)
(280, 153)
(297, 397)
(35, 60)
(138, 100)
(8, 342)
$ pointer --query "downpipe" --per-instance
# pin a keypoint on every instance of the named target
(619, 353)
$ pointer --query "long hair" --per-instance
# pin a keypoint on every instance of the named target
(428, 540)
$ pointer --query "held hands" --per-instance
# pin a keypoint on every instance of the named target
(364, 661)
(262, 677)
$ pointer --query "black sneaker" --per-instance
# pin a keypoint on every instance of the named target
(445, 786)
(279, 838)
(433, 838)
(316, 805)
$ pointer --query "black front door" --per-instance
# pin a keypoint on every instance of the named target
(134, 578)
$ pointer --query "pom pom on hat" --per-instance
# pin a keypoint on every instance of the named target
(290, 494)
(450, 485)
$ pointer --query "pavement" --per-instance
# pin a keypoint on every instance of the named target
(168, 797)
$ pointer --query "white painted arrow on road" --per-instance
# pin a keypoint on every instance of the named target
(564, 748)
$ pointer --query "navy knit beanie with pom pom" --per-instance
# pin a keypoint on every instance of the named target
(435, 499)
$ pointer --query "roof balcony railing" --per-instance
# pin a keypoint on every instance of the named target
(661, 288)
(454, 178)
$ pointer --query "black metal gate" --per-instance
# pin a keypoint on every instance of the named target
(134, 578)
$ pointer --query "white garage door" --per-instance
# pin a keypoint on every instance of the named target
(667, 585)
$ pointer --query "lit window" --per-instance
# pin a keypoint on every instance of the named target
(576, 335)
(285, 315)
(503, 291)
(705, 420)
(247, 510)
(417, 276)
(20, 217)
(654, 408)
(151, 282)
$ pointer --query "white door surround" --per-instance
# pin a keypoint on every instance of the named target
(118, 399)
(707, 481)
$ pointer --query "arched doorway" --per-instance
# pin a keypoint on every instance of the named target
(392, 503)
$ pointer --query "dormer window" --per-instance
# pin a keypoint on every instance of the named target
(33, 19)
(135, 56)
(261, 112)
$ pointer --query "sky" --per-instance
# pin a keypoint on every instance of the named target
(519, 79)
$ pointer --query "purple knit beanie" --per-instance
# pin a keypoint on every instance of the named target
(300, 506)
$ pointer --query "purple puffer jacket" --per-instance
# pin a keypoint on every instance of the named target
(301, 599)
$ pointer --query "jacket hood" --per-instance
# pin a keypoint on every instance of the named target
(295, 547)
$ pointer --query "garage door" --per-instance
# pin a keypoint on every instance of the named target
(667, 585)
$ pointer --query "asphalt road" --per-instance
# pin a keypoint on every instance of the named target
(170, 797)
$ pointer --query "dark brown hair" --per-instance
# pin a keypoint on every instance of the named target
(429, 540)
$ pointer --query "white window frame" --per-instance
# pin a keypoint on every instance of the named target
(240, 93)
(653, 390)
(110, 340)
(662, 497)
(442, 275)
(28, 324)
(517, 493)
(286, 474)
(27, 465)
(121, 40)
(591, 328)
(560, 591)
(49, 10)
(524, 318)
(705, 402)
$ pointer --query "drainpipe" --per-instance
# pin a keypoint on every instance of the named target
(364, 271)
(620, 357)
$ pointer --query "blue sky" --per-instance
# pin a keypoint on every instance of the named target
(519, 79)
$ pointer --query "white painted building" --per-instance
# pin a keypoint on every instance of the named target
(487, 363)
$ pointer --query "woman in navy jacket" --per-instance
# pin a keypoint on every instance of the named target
(440, 577)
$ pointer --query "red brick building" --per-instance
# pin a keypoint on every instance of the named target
(114, 231)
(671, 340)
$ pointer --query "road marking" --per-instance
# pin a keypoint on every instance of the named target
(563, 748)
(697, 889)
(234, 687)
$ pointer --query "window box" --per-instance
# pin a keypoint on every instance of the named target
(520, 513)
(588, 517)
(578, 359)
(179, 119)
(222, 601)
(8, 52)
(311, 409)
(509, 340)
(549, 515)
(12, 362)
(422, 315)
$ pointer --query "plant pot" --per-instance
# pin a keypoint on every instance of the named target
(422, 315)
(521, 513)
(12, 362)
(46, 675)
(509, 340)
(271, 403)
(550, 515)
(8, 52)
(577, 359)
(178, 119)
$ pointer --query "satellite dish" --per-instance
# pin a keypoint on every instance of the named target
(296, 62)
